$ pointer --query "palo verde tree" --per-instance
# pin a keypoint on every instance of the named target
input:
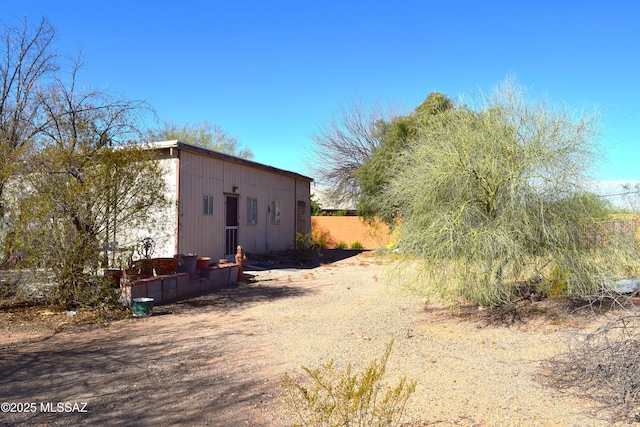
(84, 177)
(497, 194)
(206, 135)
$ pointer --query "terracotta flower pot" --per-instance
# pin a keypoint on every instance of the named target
(164, 266)
(131, 273)
(202, 263)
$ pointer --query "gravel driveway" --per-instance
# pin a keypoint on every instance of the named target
(217, 360)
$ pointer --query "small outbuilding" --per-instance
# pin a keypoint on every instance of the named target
(218, 201)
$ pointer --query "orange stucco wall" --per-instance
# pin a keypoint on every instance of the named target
(350, 229)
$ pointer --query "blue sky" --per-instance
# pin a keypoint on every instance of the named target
(270, 72)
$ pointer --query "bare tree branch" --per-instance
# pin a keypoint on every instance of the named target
(344, 143)
(27, 59)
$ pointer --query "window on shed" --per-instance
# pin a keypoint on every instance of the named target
(252, 210)
(275, 212)
(207, 205)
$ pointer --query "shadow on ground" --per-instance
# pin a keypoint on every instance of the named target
(289, 259)
(232, 298)
(145, 371)
(154, 371)
(129, 380)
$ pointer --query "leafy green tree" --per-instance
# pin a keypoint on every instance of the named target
(206, 135)
(84, 180)
(316, 209)
(375, 172)
(496, 194)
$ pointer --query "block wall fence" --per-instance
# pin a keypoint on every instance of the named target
(350, 229)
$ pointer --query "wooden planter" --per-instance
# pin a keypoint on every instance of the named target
(202, 263)
(165, 266)
(146, 267)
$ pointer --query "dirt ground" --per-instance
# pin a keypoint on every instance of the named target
(217, 360)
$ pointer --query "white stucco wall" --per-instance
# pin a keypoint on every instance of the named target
(162, 227)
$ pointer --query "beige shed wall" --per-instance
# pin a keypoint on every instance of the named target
(199, 233)
(267, 188)
(202, 175)
(167, 224)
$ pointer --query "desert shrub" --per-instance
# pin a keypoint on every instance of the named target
(356, 245)
(557, 282)
(604, 366)
(341, 245)
(345, 398)
(85, 291)
(321, 238)
(306, 246)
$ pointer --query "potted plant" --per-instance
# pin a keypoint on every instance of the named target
(145, 248)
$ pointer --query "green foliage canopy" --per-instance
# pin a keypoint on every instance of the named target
(374, 174)
(497, 194)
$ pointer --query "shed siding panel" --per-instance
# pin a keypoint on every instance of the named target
(202, 175)
(200, 233)
(303, 194)
(266, 188)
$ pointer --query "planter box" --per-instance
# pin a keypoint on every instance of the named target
(224, 275)
(233, 274)
(154, 289)
(169, 288)
(129, 291)
(165, 266)
(203, 286)
(175, 287)
(215, 277)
